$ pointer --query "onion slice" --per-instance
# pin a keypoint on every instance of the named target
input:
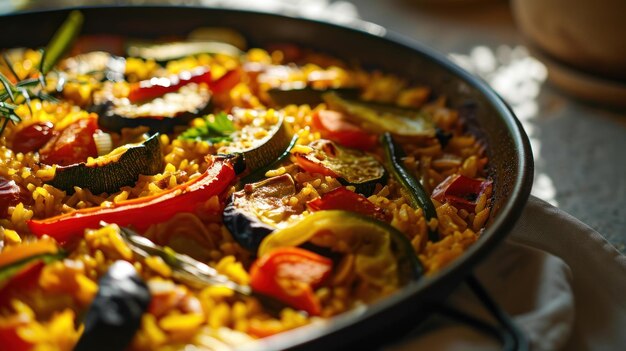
(104, 143)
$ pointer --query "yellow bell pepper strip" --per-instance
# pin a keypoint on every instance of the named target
(20, 266)
(290, 274)
(141, 212)
(413, 190)
(383, 256)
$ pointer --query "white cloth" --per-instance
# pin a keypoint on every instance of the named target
(563, 283)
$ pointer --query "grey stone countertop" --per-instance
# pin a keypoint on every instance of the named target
(579, 149)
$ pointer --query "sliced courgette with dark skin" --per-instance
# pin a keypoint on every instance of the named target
(108, 173)
(381, 118)
(256, 210)
(377, 245)
(259, 173)
(160, 115)
(306, 95)
(412, 188)
(350, 166)
(271, 147)
(163, 53)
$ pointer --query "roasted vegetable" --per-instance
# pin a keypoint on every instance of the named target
(15, 258)
(32, 137)
(156, 87)
(72, 145)
(306, 95)
(412, 188)
(161, 109)
(334, 126)
(140, 212)
(462, 192)
(110, 172)
(351, 167)
(115, 313)
(384, 257)
(290, 274)
(380, 118)
(175, 50)
(255, 211)
(11, 194)
(259, 173)
(346, 200)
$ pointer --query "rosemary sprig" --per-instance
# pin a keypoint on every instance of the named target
(27, 88)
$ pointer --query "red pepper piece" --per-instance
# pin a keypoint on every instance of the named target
(290, 274)
(334, 126)
(344, 199)
(461, 192)
(142, 212)
(159, 86)
(227, 81)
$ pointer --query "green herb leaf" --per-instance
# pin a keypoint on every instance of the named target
(216, 128)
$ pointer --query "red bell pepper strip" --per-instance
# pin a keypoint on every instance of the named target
(290, 274)
(334, 126)
(461, 192)
(344, 199)
(227, 81)
(141, 212)
(159, 86)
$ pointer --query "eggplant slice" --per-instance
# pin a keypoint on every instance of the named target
(160, 114)
(255, 211)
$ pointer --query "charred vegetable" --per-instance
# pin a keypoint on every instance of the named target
(290, 274)
(122, 299)
(110, 172)
(384, 257)
(351, 167)
(306, 95)
(159, 103)
(255, 211)
(346, 200)
(462, 192)
(381, 118)
(259, 173)
(412, 188)
(141, 212)
(172, 51)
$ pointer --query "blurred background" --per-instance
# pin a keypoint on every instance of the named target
(560, 64)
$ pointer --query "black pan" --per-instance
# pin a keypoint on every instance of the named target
(509, 151)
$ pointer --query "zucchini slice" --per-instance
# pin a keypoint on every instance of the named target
(306, 95)
(350, 166)
(255, 211)
(163, 53)
(108, 173)
(381, 118)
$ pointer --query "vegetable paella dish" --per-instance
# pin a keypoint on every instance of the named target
(194, 191)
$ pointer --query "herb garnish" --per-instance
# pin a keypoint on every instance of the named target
(216, 128)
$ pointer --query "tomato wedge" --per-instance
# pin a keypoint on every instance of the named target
(290, 274)
(343, 199)
(461, 192)
(33, 137)
(72, 145)
(334, 126)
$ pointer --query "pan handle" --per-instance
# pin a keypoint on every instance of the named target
(511, 337)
